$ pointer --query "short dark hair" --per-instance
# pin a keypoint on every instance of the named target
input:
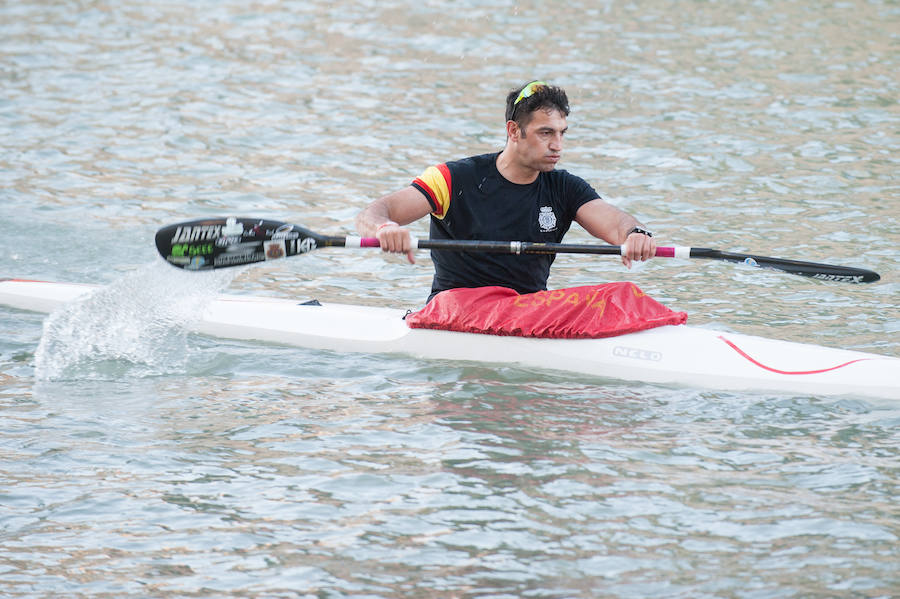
(543, 97)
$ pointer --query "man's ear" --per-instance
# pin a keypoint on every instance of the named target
(512, 130)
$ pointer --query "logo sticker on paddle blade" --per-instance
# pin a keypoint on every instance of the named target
(274, 249)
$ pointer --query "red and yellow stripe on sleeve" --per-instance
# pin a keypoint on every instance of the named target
(435, 184)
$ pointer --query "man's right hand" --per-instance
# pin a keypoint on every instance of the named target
(380, 219)
(396, 239)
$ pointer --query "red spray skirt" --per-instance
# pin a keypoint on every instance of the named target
(587, 312)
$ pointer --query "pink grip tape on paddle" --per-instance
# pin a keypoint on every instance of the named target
(668, 252)
(673, 252)
(372, 242)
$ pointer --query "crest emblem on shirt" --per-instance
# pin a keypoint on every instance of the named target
(546, 219)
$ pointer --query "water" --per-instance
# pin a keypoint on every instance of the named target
(137, 459)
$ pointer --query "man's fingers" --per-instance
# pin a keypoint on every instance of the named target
(638, 248)
(396, 240)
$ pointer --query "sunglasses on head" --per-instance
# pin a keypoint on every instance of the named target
(529, 90)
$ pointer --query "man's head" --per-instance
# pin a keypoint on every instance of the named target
(535, 126)
(523, 102)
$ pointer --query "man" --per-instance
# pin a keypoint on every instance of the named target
(513, 195)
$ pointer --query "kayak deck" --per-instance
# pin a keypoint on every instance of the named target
(670, 355)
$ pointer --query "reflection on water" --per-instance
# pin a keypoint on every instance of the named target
(365, 485)
(257, 472)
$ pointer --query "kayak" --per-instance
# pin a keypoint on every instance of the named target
(674, 355)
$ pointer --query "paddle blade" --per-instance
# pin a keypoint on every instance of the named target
(814, 270)
(225, 242)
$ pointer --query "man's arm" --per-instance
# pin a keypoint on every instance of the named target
(384, 218)
(613, 225)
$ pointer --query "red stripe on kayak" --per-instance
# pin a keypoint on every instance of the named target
(775, 370)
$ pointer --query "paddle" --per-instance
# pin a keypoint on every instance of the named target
(220, 243)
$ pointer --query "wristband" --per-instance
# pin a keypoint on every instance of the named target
(641, 231)
(385, 224)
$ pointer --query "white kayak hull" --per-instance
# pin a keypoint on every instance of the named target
(670, 355)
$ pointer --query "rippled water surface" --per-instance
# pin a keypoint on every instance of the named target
(139, 460)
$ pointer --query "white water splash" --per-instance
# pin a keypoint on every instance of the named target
(137, 325)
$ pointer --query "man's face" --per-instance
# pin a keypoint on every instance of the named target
(539, 145)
